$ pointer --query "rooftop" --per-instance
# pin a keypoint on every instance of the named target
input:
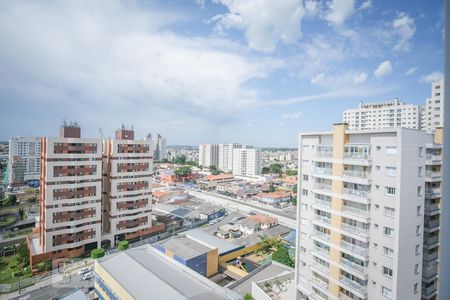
(263, 219)
(209, 240)
(219, 177)
(157, 275)
(185, 247)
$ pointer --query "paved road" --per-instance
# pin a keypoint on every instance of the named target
(284, 217)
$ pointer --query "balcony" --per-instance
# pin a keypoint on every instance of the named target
(431, 241)
(343, 296)
(430, 256)
(361, 231)
(322, 186)
(433, 174)
(356, 152)
(321, 251)
(354, 248)
(433, 157)
(354, 266)
(353, 284)
(323, 220)
(431, 208)
(357, 193)
(430, 271)
(320, 283)
(432, 192)
(323, 171)
(321, 235)
(431, 224)
(356, 211)
(429, 291)
(323, 203)
(324, 151)
(356, 174)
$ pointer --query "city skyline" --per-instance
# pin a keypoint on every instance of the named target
(212, 72)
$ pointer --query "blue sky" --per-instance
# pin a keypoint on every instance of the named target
(250, 71)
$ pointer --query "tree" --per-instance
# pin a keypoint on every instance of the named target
(265, 243)
(181, 160)
(282, 256)
(21, 212)
(23, 254)
(97, 253)
(48, 265)
(265, 170)
(294, 200)
(247, 296)
(276, 168)
(291, 172)
(10, 200)
(183, 171)
(271, 188)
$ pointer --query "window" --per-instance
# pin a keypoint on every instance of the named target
(419, 210)
(387, 271)
(391, 150)
(305, 163)
(391, 171)
(378, 148)
(376, 226)
(305, 178)
(420, 171)
(304, 192)
(389, 211)
(375, 245)
(417, 249)
(378, 168)
(419, 191)
(418, 230)
(416, 288)
(416, 269)
(420, 151)
(386, 292)
(305, 147)
(388, 252)
(389, 191)
(377, 206)
(388, 231)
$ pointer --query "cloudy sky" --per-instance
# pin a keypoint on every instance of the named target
(250, 71)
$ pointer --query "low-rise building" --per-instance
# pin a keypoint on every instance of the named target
(211, 181)
(274, 198)
(264, 221)
(249, 226)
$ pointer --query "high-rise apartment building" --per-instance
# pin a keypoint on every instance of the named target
(159, 145)
(387, 114)
(127, 205)
(69, 196)
(208, 155)
(226, 156)
(93, 193)
(433, 116)
(247, 161)
(24, 160)
(362, 214)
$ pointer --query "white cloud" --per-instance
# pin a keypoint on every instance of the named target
(340, 10)
(292, 115)
(312, 7)
(265, 22)
(366, 5)
(435, 76)
(411, 71)
(118, 62)
(317, 79)
(404, 29)
(385, 68)
(361, 78)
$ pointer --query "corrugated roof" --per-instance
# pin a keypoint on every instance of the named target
(201, 236)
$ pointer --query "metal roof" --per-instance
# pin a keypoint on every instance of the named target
(185, 247)
(205, 238)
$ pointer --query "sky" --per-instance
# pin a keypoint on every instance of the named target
(256, 72)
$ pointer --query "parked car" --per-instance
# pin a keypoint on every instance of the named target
(84, 270)
(88, 275)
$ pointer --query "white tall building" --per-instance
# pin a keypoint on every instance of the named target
(247, 161)
(226, 156)
(387, 114)
(159, 146)
(24, 159)
(361, 213)
(433, 116)
(208, 155)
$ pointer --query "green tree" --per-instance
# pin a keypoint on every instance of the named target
(282, 256)
(183, 171)
(291, 172)
(265, 170)
(271, 188)
(276, 168)
(294, 200)
(48, 265)
(247, 296)
(97, 253)
(265, 243)
(181, 160)
(10, 200)
(23, 254)
(21, 212)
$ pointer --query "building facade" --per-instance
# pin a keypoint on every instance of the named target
(127, 204)
(159, 145)
(361, 205)
(24, 160)
(226, 156)
(247, 161)
(208, 155)
(433, 116)
(70, 196)
(387, 114)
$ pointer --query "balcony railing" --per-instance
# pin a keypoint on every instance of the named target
(357, 193)
(321, 251)
(321, 235)
(323, 171)
(324, 151)
(430, 208)
(322, 202)
(353, 284)
(322, 219)
(431, 223)
(428, 241)
(432, 191)
(430, 256)
(357, 174)
(321, 283)
(428, 291)
(354, 248)
(322, 186)
(358, 268)
(355, 229)
(433, 157)
(356, 211)
(433, 174)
